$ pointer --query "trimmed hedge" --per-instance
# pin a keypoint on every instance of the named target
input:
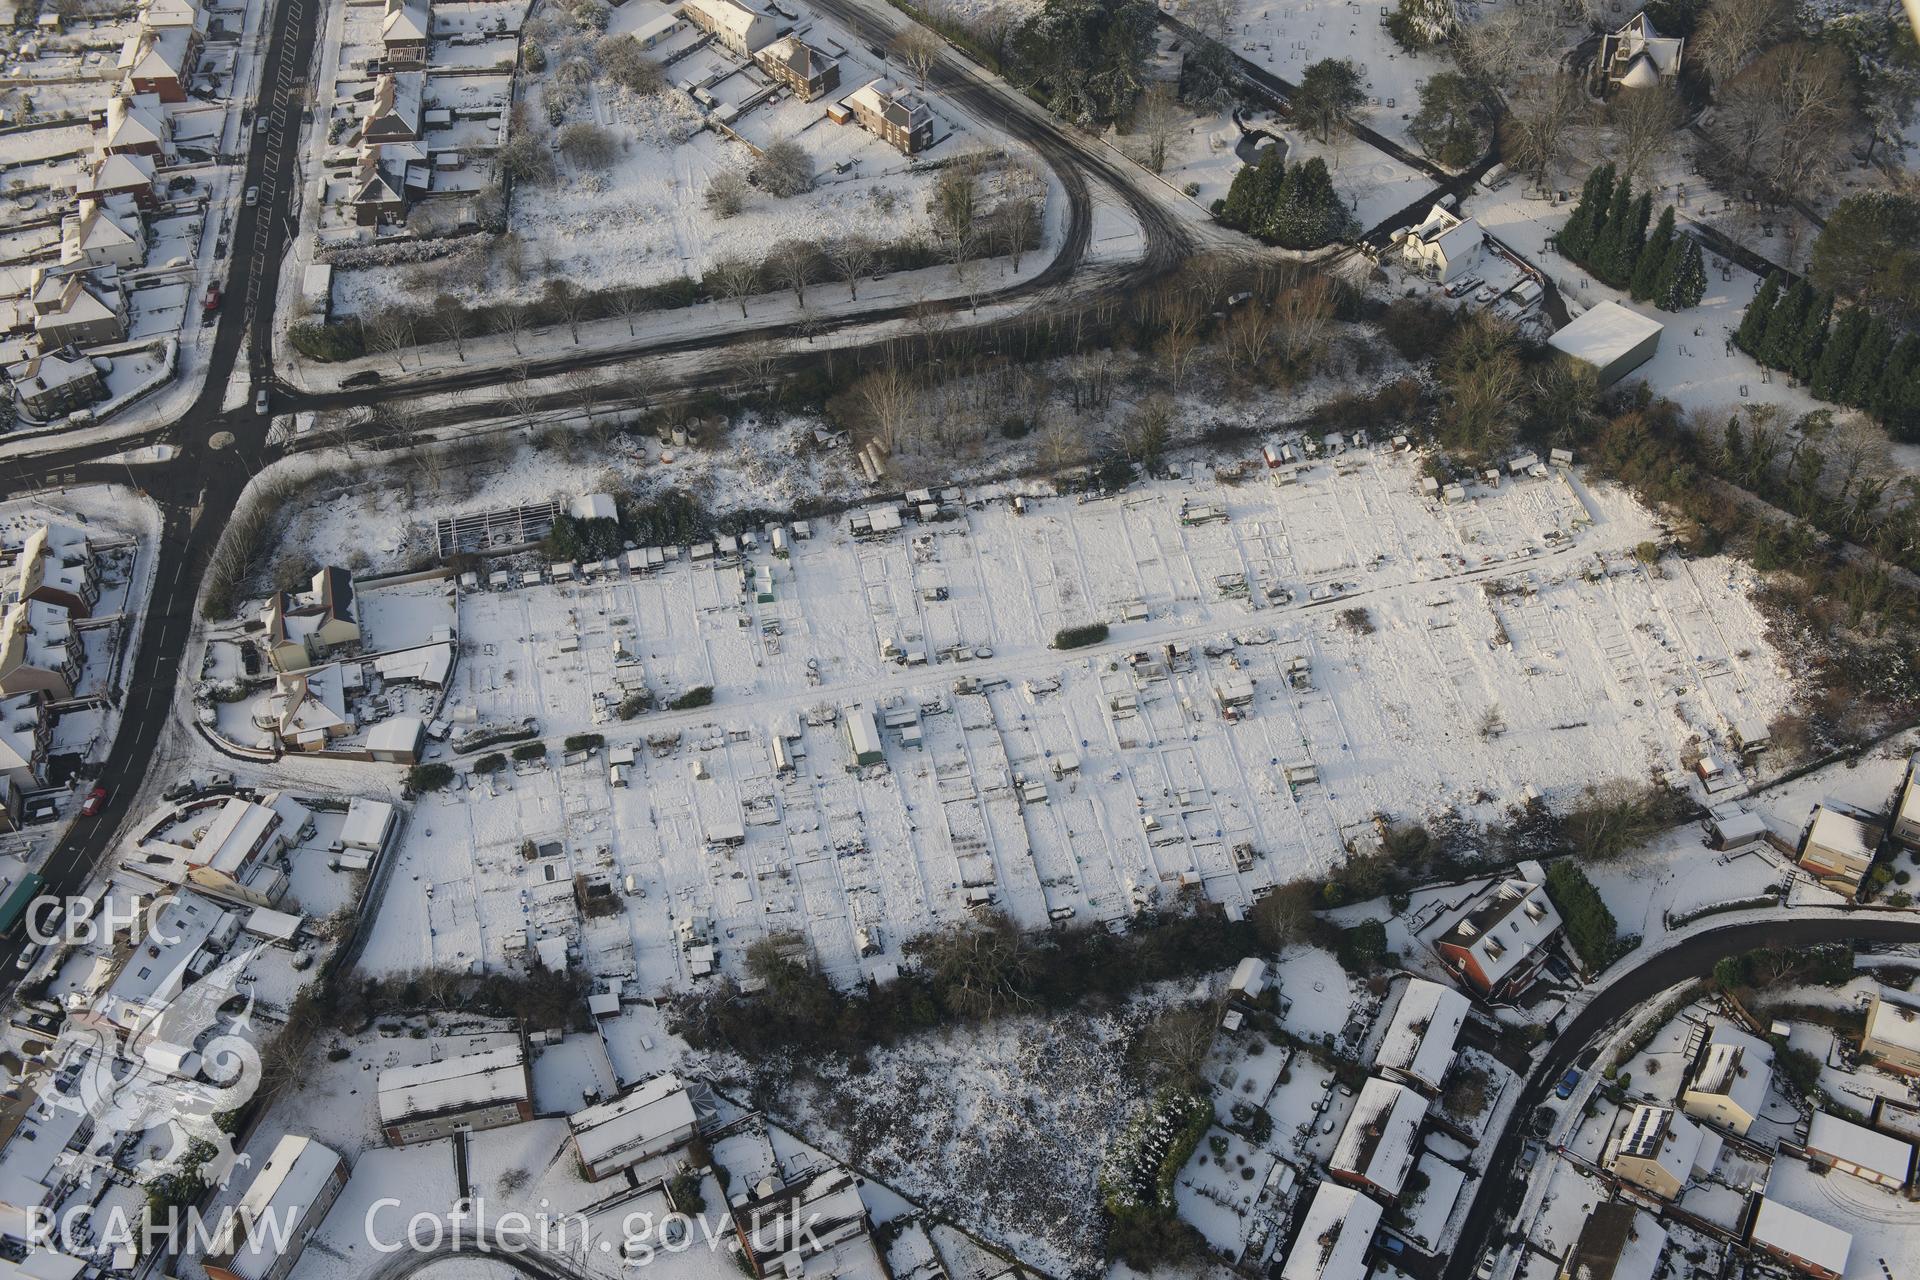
(1590, 926)
(1080, 637)
(700, 696)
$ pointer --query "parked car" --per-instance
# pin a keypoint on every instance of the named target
(253, 196)
(28, 954)
(365, 378)
(1485, 1270)
(260, 404)
(1564, 1089)
(1459, 287)
(95, 801)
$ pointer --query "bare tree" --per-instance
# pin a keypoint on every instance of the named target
(1174, 1046)
(1157, 120)
(1731, 33)
(1303, 314)
(1016, 227)
(888, 396)
(521, 396)
(852, 256)
(1785, 117)
(735, 279)
(629, 304)
(1249, 332)
(1144, 433)
(759, 362)
(917, 47)
(584, 386)
(794, 265)
(1061, 443)
(510, 322)
(1215, 19)
(1513, 40)
(1645, 124)
(784, 169)
(391, 333)
(1542, 112)
(451, 322)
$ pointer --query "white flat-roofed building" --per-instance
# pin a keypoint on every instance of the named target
(1334, 1236)
(1804, 1243)
(1728, 1087)
(1419, 1043)
(368, 824)
(1377, 1148)
(1865, 1153)
(262, 1236)
(1614, 339)
(653, 1117)
(473, 1091)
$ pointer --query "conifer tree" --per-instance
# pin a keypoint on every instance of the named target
(1609, 239)
(1652, 272)
(1869, 363)
(1686, 281)
(1804, 350)
(1894, 379)
(1753, 324)
(1576, 238)
(1836, 357)
(1783, 326)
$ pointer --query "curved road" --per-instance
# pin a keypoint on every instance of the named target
(1692, 958)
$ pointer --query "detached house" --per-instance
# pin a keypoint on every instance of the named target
(404, 29)
(1335, 1235)
(301, 628)
(230, 847)
(1502, 940)
(1892, 1034)
(1441, 246)
(801, 67)
(1838, 846)
(894, 114)
(1637, 56)
(1418, 1046)
(1728, 1084)
(1657, 1151)
(308, 709)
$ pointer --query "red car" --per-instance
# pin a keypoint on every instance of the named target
(95, 801)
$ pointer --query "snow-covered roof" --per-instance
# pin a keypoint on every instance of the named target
(1664, 1136)
(279, 926)
(639, 1119)
(398, 733)
(1378, 1142)
(1842, 834)
(1249, 977)
(1617, 1242)
(1856, 1144)
(593, 506)
(1800, 1236)
(427, 664)
(1735, 1066)
(135, 121)
(1895, 1020)
(466, 1082)
(366, 823)
(1421, 1034)
(1334, 1236)
(1605, 333)
(42, 1264)
(404, 21)
(285, 1190)
(1505, 925)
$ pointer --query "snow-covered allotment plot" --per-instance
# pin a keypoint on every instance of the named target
(1436, 656)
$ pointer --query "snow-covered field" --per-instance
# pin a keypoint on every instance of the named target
(1054, 782)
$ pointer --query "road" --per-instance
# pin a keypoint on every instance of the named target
(1693, 958)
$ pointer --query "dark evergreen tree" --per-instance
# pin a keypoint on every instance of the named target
(1759, 313)
(1245, 198)
(1633, 240)
(1653, 271)
(1836, 357)
(1583, 225)
(1806, 345)
(1686, 281)
(1895, 378)
(1869, 363)
(1610, 239)
(1783, 326)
